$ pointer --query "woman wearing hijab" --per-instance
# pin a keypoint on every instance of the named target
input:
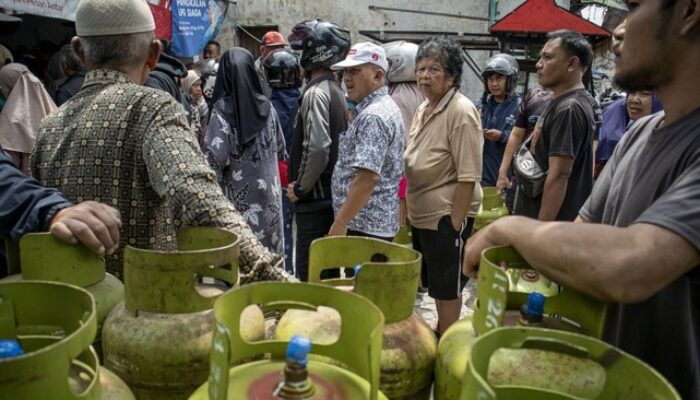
(243, 143)
(27, 103)
(617, 117)
(192, 86)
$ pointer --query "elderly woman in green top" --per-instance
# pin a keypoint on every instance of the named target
(443, 170)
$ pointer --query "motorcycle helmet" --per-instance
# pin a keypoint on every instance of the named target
(281, 69)
(322, 43)
(502, 64)
(402, 61)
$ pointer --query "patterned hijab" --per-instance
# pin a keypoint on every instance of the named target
(247, 108)
(27, 104)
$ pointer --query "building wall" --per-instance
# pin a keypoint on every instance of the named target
(355, 15)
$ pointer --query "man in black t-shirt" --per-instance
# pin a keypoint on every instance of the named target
(529, 111)
(638, 241)
(563, 137)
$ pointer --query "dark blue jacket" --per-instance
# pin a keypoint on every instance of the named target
(286, 103)
(25, 206)
(164, 77)
(69, 88)
(499, 116)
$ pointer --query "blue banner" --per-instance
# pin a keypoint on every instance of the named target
(195, 22)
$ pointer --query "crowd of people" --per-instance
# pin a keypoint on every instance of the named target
(322, 137)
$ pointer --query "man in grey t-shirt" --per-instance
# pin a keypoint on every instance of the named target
(641, 246)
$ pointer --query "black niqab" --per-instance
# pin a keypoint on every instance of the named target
(245, 107)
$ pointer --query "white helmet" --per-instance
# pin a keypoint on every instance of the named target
(402, 61)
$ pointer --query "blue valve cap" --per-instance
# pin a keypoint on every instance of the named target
(10, 348)
(535, 304)
(298, 350)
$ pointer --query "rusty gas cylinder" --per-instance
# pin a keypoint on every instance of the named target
(46, 353)
(289, 372)
(41, 256)
(503, 282)
(158, 339)
(388, 275)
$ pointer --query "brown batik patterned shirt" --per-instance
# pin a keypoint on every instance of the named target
(131, 147)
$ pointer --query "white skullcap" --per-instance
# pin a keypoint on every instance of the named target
(113, 17)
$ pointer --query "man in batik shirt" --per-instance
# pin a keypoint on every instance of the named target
(131, 147)
(370, 153)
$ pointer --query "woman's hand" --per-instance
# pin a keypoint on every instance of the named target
(338, 229)
(456, 223)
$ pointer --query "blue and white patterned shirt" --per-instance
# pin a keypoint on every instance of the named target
(375, 142)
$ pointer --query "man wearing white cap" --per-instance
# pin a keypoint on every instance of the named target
(131, 147)
(370, 152)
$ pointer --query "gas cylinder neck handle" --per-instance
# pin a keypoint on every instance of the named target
(164, 281)
(44, 257)
(388, 276)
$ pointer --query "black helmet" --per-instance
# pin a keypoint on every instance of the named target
(281, 69)
(502, 64)
(322, 43)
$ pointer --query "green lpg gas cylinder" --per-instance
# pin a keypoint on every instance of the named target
(388, 276)
(529, 280)
(404, 236)
(41, 256)
(526, 363)
(290, 376)
(158, 339)
(499, 303)
(493, 207)
(50, 327)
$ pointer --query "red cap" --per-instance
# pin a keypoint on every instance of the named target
(273, 38)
